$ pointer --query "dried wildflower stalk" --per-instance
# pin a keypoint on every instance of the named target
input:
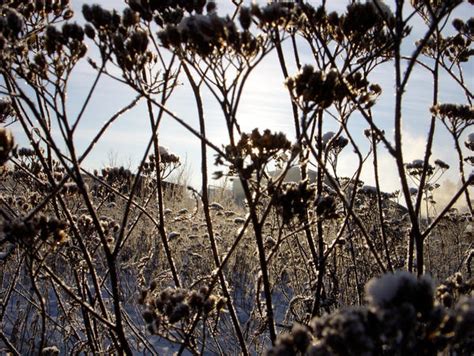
(224, 283)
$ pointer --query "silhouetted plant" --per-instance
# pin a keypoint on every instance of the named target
(284, 272)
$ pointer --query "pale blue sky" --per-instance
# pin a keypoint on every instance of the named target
(265, 104)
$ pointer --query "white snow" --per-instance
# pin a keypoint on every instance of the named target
(383, 290)
(328, 136)
(381, 7)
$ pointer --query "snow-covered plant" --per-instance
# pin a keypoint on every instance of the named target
(401, 316)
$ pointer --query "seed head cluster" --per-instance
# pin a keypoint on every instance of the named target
(455, 117)
(294, 199)
(6, 109)
(402, 316)
(210, 34)
(6, 144)
(30, 41)
(40, 228)
(322, 88)
(366, 26)
(169, 306)
(254, 151)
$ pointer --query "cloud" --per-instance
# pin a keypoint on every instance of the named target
(444, 194)
(413, 148)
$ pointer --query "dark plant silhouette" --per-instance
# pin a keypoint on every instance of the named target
(124, 260)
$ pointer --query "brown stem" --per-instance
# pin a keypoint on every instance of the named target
(379, 203)
(207, 215)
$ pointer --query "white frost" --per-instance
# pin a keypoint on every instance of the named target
(327, 136)
(381, 6)
(163, 151)
(383, 290)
